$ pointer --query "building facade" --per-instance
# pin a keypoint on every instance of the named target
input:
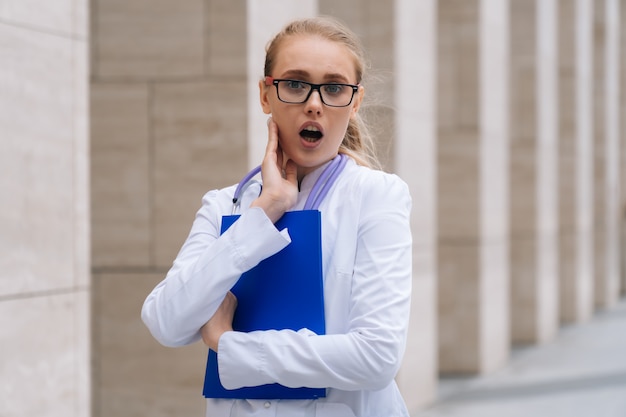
(506, 118)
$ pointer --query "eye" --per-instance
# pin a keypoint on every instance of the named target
(334, 89)
(295, 85)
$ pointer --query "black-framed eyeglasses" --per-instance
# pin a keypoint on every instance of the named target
(298, 92)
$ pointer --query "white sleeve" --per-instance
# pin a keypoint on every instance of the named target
(206, 268)
(369, 354)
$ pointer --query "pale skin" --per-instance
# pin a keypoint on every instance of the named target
(288, 157)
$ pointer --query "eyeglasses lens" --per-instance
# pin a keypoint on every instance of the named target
(297, 92)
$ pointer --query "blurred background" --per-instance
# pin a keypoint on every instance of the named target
(505, 117)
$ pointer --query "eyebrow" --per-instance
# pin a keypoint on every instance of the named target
(301, 74)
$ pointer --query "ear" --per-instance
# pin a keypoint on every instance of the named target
(358, 99)
(263, 96)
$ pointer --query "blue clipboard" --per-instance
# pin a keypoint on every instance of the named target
(284, 291)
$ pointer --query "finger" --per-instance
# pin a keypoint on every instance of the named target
(272, 136)
(291, 172)
(280, 157)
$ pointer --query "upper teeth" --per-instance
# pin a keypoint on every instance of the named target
(312, 128)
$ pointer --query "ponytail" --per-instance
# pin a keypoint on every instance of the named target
(358, 144)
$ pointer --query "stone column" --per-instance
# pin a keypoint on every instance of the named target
(622, 89)
(264, 20)
(585, 157)
(415, 161)
(373, 22)
(399, 39)
(599, 149)
(613, 148)
(605, 153)
(575, 176)
(534, 272)
(45, 292)
(473, 266)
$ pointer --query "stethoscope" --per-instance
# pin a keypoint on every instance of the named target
(320, 189)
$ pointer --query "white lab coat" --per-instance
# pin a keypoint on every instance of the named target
(366, 241)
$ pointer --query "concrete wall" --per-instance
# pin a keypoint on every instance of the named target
(44, 207)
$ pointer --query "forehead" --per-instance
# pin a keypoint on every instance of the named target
(315, 56)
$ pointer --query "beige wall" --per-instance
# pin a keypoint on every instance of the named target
(44, 243)
(168, 100)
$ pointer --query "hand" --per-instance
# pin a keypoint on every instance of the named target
(280, 180)
(221, 322)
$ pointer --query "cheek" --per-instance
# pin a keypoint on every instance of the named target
(280, 122)
(341, 125)
(277, 109)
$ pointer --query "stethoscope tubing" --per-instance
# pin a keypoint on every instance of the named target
(318, 192)
(324, 182)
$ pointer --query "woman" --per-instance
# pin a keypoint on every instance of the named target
(312, 91)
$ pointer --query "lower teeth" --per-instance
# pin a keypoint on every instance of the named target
(310, 137)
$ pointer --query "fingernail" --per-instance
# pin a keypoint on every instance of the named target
(269, 120)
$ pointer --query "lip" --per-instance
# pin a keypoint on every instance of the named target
(311, 123)
(306, 144)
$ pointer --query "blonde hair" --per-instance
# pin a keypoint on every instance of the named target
(357, 142)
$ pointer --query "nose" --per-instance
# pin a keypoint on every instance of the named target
(314, 103)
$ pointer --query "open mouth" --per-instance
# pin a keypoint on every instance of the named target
(311, 134)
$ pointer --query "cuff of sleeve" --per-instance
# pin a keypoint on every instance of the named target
(255, 237)
(241, 360)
